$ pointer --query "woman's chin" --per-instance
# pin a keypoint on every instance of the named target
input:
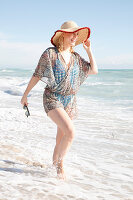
(73, 44)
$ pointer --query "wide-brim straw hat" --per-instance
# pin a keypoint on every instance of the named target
(71, 27)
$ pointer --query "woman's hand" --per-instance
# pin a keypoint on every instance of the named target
(87, 45)
(24, 100)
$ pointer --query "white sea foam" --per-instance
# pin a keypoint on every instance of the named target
(6, 70)
(103, 83)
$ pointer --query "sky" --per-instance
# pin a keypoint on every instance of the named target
(26, 27)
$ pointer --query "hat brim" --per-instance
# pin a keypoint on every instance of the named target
(84, 34)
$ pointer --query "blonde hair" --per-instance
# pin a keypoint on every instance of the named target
(60, 44)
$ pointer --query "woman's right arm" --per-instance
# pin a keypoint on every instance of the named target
(33, 81)
(42, 68)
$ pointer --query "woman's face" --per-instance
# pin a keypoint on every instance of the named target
(70, 38)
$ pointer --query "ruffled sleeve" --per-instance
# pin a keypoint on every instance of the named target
(44, 69)
(84, 67)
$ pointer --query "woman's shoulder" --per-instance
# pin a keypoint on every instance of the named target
(77, 55)
(50, 50)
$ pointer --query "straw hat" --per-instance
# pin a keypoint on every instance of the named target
(71, 27)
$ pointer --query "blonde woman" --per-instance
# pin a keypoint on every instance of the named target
(63, 70)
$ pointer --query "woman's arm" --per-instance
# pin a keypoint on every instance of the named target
(33, 81)
(93, 65)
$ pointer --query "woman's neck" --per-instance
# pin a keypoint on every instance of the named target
(66, 48)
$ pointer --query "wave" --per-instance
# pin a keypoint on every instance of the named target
(102, 83)
(22, 84)
(14, 92)
(6, 70)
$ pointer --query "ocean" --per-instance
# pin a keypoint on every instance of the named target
(99, 165)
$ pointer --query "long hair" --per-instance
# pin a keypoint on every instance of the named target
(60, 45)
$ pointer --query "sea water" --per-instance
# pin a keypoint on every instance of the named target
(99, 165)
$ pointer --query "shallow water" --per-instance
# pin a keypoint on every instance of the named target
(99, 165)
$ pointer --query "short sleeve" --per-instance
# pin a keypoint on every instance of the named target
(84, 67)
(44, 68)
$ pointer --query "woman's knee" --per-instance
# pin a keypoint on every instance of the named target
(70, 131)
(63, 121)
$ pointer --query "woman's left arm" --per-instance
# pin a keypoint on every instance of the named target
(93, 65)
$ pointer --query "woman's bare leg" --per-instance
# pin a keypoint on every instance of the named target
(63, 121)
(59, 136)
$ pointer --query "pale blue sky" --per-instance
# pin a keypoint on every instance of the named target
(26, 27)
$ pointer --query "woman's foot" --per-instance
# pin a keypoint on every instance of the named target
(60, 172)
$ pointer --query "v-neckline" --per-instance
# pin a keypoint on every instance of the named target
(70, 61)
(65, 61)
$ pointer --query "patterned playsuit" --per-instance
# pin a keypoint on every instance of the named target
(62, 84)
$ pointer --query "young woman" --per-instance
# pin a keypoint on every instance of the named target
(63, 70)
